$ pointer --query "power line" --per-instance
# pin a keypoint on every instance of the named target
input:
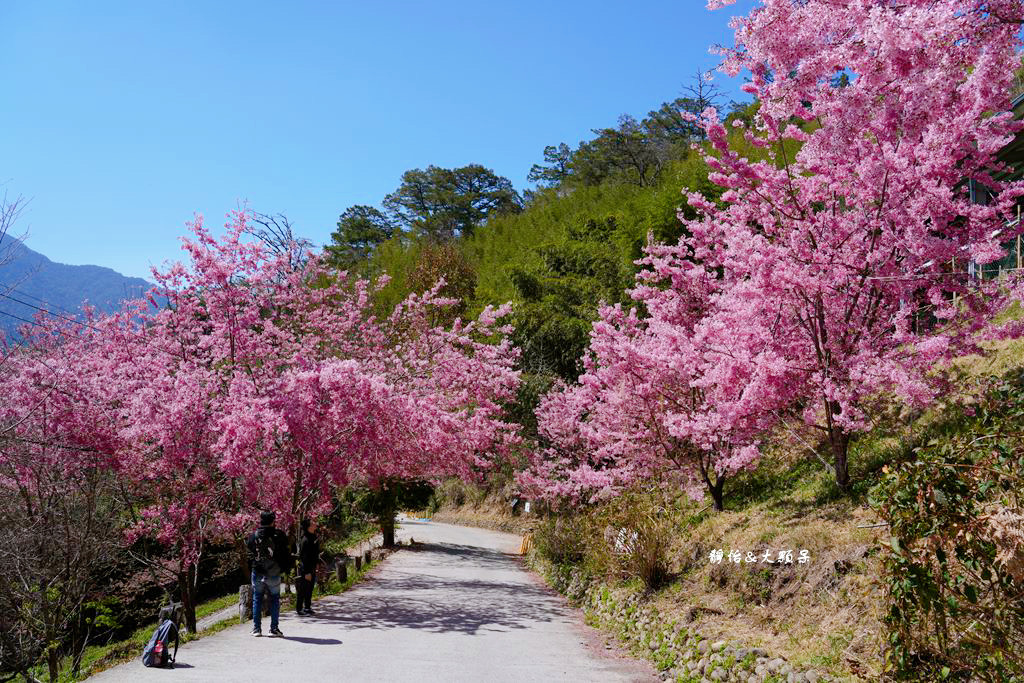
(18, 317)
(76, 322)
(11, 288)
(49, 312)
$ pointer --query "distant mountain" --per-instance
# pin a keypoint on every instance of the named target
(29, 280)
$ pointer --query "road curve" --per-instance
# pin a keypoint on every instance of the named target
(457, 607)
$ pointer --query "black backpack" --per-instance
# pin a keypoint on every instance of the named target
(157, 652)
(263, 560)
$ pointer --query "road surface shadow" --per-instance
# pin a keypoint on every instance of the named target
(423, 599)
(482, 557)
(313, 641)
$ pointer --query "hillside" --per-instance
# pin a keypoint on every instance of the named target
(29, 280)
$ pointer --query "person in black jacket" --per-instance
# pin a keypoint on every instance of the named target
(269, 557)
(309, 558)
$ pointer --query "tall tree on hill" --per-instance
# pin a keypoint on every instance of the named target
(633, 151)
(622, 153)
(441, 203)
(556, 168)
(360, 229)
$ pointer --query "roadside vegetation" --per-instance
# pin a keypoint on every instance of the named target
(924, 548)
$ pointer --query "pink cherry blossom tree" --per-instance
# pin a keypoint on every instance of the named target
(264, 380)
(652, 403)
(855, 222)
(830, 276)
(58, 483)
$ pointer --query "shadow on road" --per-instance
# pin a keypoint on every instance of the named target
(482, 558)
(313, 641)
(429, 601)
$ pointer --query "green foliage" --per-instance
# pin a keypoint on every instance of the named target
(559, 295)
(558, 160)
(568, 252)
(954, 566)
(360, 230)
(562, 540)
(383, 500)
(532, 387)
(391, 495)
(441, 203)
(626, 153)
(633, 152)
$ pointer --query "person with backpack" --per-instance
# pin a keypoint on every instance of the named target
(269, 557)
(309, 558)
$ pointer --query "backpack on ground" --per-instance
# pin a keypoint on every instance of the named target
(157, 652)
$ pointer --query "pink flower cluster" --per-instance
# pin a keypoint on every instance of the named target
(831, 274)
(246, 381)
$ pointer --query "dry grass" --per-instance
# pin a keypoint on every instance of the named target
(486, 515)
(823, 614)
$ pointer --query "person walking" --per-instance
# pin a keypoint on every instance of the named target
(309, 558)
(269, 557)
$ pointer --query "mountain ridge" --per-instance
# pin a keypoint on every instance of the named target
(30, 281)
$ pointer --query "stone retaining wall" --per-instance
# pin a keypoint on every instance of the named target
(679, 651)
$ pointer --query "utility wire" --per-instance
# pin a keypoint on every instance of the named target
(76, 322)
(18, 317)
(11, 288)
(49, 312)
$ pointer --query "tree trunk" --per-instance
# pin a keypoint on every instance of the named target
(188, 603)
(840, 442)
(717, 494)
(387, 529)
(53, 664)
(715, 487)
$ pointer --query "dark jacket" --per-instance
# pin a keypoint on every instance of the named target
(281, 559)
(309, 553)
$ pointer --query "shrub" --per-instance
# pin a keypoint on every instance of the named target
(562, 540)
(637, 536)
(953, 569)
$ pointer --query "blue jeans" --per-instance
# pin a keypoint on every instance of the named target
(272, 584)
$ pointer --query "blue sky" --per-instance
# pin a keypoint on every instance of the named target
(122, 120)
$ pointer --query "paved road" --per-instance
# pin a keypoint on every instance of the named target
(460, 607)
